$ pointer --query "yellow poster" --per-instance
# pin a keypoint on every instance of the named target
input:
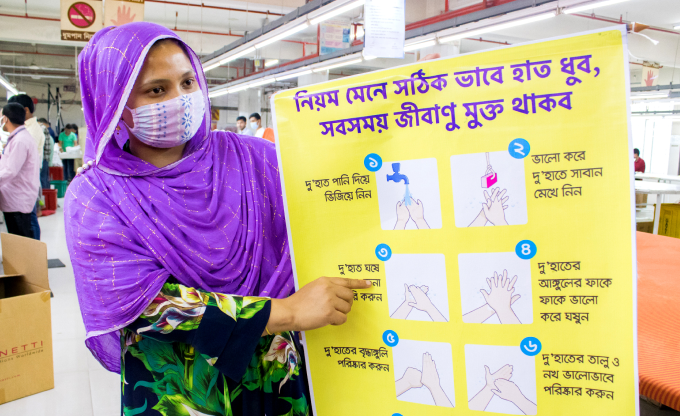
(488, 199)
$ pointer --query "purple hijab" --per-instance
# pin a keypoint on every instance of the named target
(213, 220)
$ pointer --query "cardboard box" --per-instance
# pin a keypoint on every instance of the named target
(26, 365)
(645, 227)
(669, 220)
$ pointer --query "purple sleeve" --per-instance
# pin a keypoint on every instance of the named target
(13, 160)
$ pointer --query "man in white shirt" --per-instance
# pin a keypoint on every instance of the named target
(241, 126)
(256, 125)
(36, 131)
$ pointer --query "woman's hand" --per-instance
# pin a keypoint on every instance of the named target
(325, 301)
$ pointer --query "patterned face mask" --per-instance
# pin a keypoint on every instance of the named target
(169, 123)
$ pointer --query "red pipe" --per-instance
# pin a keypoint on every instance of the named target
(446, 5)
(454, 13)
(30, 17)
(214, 7)
(37, 53)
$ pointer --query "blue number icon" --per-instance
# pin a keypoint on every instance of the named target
(383, 252)
(519, 148)
(525, 249)
(373, 162)
(390, 338)
(530, 346)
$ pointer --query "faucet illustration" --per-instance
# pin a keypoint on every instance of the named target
(396, 176)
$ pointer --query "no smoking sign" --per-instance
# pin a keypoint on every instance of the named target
(81, 15)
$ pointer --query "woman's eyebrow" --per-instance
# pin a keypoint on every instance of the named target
(163, 80)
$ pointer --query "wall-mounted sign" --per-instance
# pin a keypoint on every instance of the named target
(120, 12)
(80, 19)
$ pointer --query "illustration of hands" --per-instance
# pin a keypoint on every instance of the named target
(507, 390)
(499, 384)
(493, 210)
(414, 211)
(499, 301)
(429, 377)
(416, 297)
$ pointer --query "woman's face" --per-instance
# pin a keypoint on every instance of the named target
(166, 74)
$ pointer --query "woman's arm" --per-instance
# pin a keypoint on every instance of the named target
(325, 301)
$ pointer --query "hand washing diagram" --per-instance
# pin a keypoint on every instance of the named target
(423, 372)
(500, 379)
(495, 288)
(416, 287)
(408, 195)
(501, 198)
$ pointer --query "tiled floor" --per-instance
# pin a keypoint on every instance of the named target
(81, 385)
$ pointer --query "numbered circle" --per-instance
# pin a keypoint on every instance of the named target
(525, 249)
(530, 346)
(519, 148)
(383, 252)
(373, 162)
(396, 414)
(390, 338)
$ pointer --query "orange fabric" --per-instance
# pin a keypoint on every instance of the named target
(268, 134)
(658, 323)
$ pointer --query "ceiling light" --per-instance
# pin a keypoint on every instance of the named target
(8, 85)
(237, 55)
(282, 35)
(419, 45)
(218, 93)
(590, 6)
(649, 95)
(239, 87)
(337, 11)
(338, 65)
(498, 27)
(293, 75)
(270, 62)
(261, 82)
(213, 66)
(676, 26)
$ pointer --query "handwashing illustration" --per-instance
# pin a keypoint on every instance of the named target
(410, 185)
(407, 208)
(502, 197)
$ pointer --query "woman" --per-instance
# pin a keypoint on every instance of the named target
(179, 244)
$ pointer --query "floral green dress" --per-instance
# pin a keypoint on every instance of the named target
(195, 353)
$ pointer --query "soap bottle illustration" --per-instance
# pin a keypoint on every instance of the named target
(398, 177)
(490, 177)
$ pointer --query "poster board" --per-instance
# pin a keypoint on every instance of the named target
(524, 305)
(80, 19)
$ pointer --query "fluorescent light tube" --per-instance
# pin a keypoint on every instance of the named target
(419, 45)
(218, 93)
(287, 75)
(237, 55)
(337, 11)
(496, 28)
(676, 27)
(8, 85)
(209, 67)
(650, 95)
(591, 6)
(338, 65)
(261, 82)
(270, 62)
(239, 87)
(282, 35)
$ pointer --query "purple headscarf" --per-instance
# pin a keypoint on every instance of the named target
(214, 220)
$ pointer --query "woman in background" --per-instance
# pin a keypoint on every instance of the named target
(179, 243)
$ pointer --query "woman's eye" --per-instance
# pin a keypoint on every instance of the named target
(156, 90)
(189, 83)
